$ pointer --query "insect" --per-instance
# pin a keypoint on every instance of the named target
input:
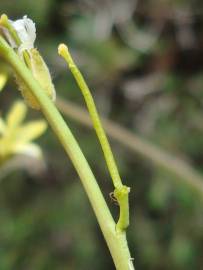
(112, 196)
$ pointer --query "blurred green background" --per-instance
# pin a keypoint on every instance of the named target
(143, 61)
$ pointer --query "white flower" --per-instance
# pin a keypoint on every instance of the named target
(26, 31)
(21, 35)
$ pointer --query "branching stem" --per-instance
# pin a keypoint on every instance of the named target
(116, 240)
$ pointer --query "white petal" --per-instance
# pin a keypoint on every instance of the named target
(26, 31)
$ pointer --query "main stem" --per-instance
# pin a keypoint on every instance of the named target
(116, 241)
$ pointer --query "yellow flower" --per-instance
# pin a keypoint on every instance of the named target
(16, 137)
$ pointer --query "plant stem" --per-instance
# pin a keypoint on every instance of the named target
(116, 241)
(182, 171)
(121, 192)
(64, 52)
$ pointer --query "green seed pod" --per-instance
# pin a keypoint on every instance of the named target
(41, 73)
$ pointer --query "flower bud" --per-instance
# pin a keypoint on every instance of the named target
(21, 35)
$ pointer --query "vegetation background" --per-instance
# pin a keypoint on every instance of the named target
(143, 61)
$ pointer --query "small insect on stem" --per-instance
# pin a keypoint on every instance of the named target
(113, 198)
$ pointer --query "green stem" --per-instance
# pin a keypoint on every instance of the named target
(183, 172)
(123, 221)
(5, 23)
(63, 51)
(116, 241)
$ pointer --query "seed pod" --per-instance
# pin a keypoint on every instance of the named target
(41, 73)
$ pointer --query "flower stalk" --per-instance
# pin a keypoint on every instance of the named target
(121, 191)
(116, 240)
